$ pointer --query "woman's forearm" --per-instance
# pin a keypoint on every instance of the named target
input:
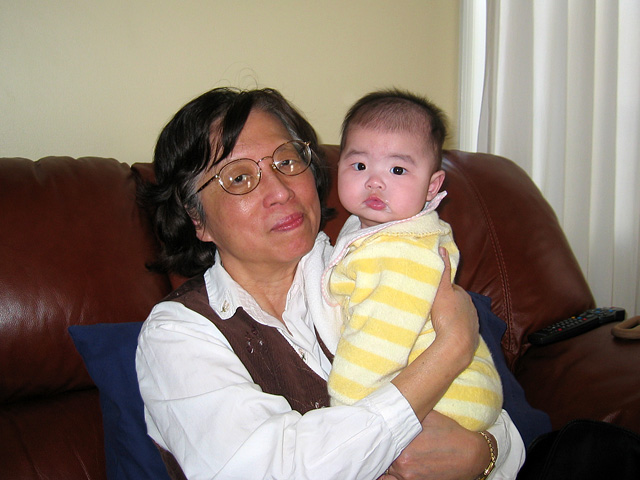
(428, 377)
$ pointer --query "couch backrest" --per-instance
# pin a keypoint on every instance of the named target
(513, 249)
(73, 248)
(74, 244)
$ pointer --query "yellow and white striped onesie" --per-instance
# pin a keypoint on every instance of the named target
(385, 278)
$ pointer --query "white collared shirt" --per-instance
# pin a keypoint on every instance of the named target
(202, 405)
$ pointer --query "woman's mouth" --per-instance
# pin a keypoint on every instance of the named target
(289, 222)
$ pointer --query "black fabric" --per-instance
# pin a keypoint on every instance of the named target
(584, 450)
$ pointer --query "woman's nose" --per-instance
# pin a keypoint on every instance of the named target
(276, 187)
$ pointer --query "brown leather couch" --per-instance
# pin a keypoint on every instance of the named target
(73, 249)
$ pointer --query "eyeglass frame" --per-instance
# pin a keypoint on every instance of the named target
(307, 146)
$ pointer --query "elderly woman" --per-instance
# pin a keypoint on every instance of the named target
(232, 366)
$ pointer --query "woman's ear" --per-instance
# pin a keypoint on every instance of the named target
(434, 184)
(202, 232)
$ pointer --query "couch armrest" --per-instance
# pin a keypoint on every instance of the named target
(594, 376)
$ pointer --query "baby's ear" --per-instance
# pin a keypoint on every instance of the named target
(434, 184)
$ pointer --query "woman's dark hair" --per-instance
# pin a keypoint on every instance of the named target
(201, 134)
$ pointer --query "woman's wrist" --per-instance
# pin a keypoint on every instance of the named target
(461, 348)
(490, 454)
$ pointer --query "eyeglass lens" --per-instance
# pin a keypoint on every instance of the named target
(242, 175)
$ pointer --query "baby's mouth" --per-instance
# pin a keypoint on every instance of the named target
(375, 203)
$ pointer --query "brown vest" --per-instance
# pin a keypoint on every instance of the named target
(271, 361)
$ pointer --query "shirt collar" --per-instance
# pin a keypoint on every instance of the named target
(222, 290)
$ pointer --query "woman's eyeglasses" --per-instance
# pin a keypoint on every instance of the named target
(243, 175)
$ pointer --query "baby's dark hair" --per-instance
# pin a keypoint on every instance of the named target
(395, 110)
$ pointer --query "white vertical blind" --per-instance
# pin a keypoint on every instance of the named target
(560, 96)
(626, 263)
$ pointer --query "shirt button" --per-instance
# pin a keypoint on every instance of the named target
(225, 306)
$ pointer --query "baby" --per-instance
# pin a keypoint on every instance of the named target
(385, 267)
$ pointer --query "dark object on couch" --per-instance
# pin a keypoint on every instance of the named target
(73, 249)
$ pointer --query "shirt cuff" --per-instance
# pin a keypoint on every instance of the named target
(397, 414)
(511, 450)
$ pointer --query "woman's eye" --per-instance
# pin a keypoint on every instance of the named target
(360, 166)
(240, 179)
(292, 163)
(398, 170)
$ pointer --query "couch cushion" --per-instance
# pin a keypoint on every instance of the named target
(108, 351)
(58, 437)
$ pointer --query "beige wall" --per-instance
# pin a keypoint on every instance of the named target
(102, 78)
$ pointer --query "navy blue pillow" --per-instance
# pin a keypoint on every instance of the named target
(529, 421)
(108, 351)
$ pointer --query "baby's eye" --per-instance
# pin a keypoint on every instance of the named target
(398, 170)
(360, 166)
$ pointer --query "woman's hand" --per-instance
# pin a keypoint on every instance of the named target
(444, 450)
(454, 315)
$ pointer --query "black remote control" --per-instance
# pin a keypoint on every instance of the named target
(570, 327)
